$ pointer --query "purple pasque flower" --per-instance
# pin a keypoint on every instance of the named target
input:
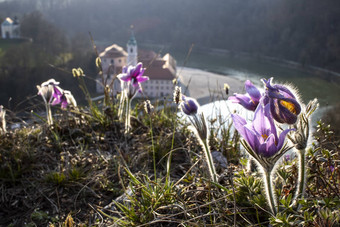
(261, 134)
(133, 74)
(283, 103)
(65, 99)
(49, 90)
(250, 101)
(189, 106)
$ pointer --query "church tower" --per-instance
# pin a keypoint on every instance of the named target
(131, 48)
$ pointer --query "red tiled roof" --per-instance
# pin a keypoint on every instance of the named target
(156, 67)
(147, 55)
(159, 73)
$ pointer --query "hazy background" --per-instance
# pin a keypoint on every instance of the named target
(305, 31)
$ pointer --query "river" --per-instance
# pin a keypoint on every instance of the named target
(309, 85)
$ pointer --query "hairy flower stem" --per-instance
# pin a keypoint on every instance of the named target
(127, 117)
(49, 114)
(302, 175)
(121, 105)
(268, 184)
(210, 161)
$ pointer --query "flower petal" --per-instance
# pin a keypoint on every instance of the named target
(55, 102)
(243, 100)
(271, 148)
(262, 123)
(251, 137)
(253, 92)
(142, 79)
(282, 138)
(124, 77)
(245, 130)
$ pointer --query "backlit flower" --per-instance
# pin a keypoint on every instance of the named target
(49, 90)
(133, 74)
(283, 104)
(250, 101)
(65, 99)
(261, 134)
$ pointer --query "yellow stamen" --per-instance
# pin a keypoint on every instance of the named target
(290, 106)
(264, 136)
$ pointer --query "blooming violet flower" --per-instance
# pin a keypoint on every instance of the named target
(65, 99)
(49, 89)
(261, 134)
(263, 144)
(250, 101)
(283, 104)
(130, 78)
(133, 74)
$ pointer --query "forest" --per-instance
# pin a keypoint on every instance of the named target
(48, 52)
(305, 31)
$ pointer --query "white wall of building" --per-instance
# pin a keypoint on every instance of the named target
(158, 88)
(109, 66)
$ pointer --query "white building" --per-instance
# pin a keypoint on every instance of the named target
(10, 29)
(113, 59)
(160, 70)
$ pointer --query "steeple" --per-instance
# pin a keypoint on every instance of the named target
(132, 50)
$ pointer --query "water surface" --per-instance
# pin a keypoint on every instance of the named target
(308, 84)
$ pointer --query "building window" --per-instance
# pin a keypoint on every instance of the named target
(161, 81)
(112, 61)
(146, 87)
(161, 87)
(151, 81)
(120, 60)
(156, 81)
(157, 87)
(131, 50)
